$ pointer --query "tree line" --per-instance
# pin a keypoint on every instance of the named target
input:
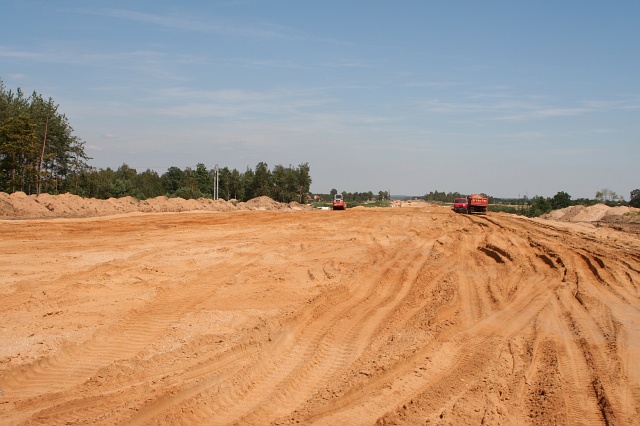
(38, 150)
(357, 197)
(283, 184)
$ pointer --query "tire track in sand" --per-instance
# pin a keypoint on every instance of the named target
(317, 344)
(134, 332)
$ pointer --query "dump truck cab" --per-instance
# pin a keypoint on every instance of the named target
(460, 205)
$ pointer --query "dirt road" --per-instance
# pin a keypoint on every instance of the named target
(367, 316)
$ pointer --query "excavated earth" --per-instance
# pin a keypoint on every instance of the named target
(282, 316)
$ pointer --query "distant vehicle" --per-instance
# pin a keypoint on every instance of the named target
(338, 202)
(460, 205)
(473, 204)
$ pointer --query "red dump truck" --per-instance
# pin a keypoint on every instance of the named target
(473, 204)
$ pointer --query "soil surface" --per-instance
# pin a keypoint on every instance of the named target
(281, 315)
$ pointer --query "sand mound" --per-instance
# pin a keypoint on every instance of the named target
(595, 213)
(260, 203)
(21, 206)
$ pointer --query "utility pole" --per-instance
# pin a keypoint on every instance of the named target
(215, 182)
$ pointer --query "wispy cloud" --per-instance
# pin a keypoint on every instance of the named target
(192, 23)
(347, 64)
(433, 84)
(18, 76)
(235, 105)
(271, 63)
(630, 104)
(75, 55)
(142, 64)
(509, 107)
(11, 53)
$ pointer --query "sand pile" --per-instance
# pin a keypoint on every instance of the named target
(595, 213)
(21, 206)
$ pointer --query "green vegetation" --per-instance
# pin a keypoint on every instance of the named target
(38, 151)
(530, 207)
(435, 197)
(504, 209)
(376, 203)
(354, 199)
(357, 198)
(635, 198)
(283, 184)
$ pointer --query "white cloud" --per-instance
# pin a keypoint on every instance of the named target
(191, 23)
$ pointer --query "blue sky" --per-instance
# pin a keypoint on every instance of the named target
(509, 98)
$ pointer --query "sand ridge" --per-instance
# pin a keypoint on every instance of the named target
(44, 206)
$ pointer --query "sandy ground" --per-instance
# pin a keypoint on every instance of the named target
(364, 316)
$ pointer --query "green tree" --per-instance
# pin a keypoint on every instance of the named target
(292, 187)
(97, 183)
(247, 183)
(53, 155)
(188, 192)
(148, 185)
(560, 201)
(18, 153)
(124, 183)
(539, 206)
(236, 185)
(203, 178)
(304, 181)
(280, 184)
(606, 195)
(125, 172)
(172, 180)
(634, 200)
(121, 188)
(224, 183)
(190, 188)
(289, 184)
(62, 153)
(261, 185)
